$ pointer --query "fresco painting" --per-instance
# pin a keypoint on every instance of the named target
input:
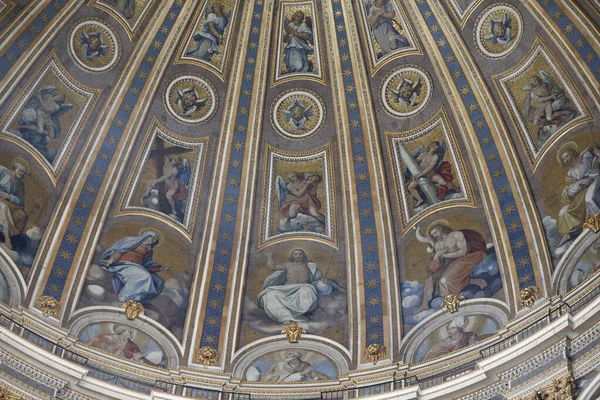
(291, 366)
(295, 281)
(587, 265)
(451, 256)
(462, 331)
(124, 341)
(143, 264)
(569, 183)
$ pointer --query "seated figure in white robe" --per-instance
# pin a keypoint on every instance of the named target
(290, 292)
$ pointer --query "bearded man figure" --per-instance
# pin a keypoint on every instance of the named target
(13, 217)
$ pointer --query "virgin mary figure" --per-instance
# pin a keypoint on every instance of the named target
(135, 272)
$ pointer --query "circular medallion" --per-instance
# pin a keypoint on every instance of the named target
(94, 45)
(297, 113)
(405, 91)
(498, 30)
(191, 99)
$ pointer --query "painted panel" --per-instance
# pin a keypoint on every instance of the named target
(291, 366)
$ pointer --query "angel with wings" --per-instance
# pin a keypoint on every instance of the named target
(299, 206)
(407, 92)
(298, 115)
(176, 177)
(500, 30)
(381, 21)
(189, 101)
(211, 35)
(433, 167)
(93, 45)
(39, 122)
(299, 41)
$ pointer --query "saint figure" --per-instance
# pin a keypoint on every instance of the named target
(13, 217)
(581, 193)
(135, 272)
(293, 369)
(121, 344)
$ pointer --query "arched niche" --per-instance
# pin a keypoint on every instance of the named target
(579, 263)
(321, 357)
(12, 285)
(106, 330)
(445, 333)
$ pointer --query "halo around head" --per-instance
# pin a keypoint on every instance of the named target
(157, 233)
(23, 163)
(437, 222)
(565, 147)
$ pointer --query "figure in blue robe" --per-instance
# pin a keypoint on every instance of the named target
(135, 272)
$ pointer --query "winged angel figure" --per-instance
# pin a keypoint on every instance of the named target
(546, 105)
(39, 122)
(433, 167)
(299, 43)
(380, 17)
(189, 101)
(299, 206)
(93, 45)
(211, 35)
(407, 92)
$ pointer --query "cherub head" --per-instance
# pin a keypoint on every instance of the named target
(499, 29)
(406, 90)
(189, 98)
(298, 113)
(94, 43)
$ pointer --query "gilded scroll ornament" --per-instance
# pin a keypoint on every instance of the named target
(48, 305)
(529, 296)
(293, 332)
(132, 309)
(592, 222)
(207, 356)
(5, 394)
(451, 302)
(376, 352)
(560, 389)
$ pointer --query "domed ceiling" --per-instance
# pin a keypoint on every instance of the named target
(180, 175)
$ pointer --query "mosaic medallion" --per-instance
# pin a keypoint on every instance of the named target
(298, 114)
(405, 91)
(94, 45)
(191, 99)
(498, 30)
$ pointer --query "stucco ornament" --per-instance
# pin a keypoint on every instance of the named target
(133, 309)
(560, 389)
(592, 222)
(529, 296)
(293, 332)
(207, 356)
(376, 352)
(48, 305)
(5, 394)
(451, 302)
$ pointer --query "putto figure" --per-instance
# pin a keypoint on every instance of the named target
(211, 35)
(298, 115)
(93, 45)
(176, 177)
(39, 122)
(546, 105)
(135, 271)
(380, 17)
(298, 38)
